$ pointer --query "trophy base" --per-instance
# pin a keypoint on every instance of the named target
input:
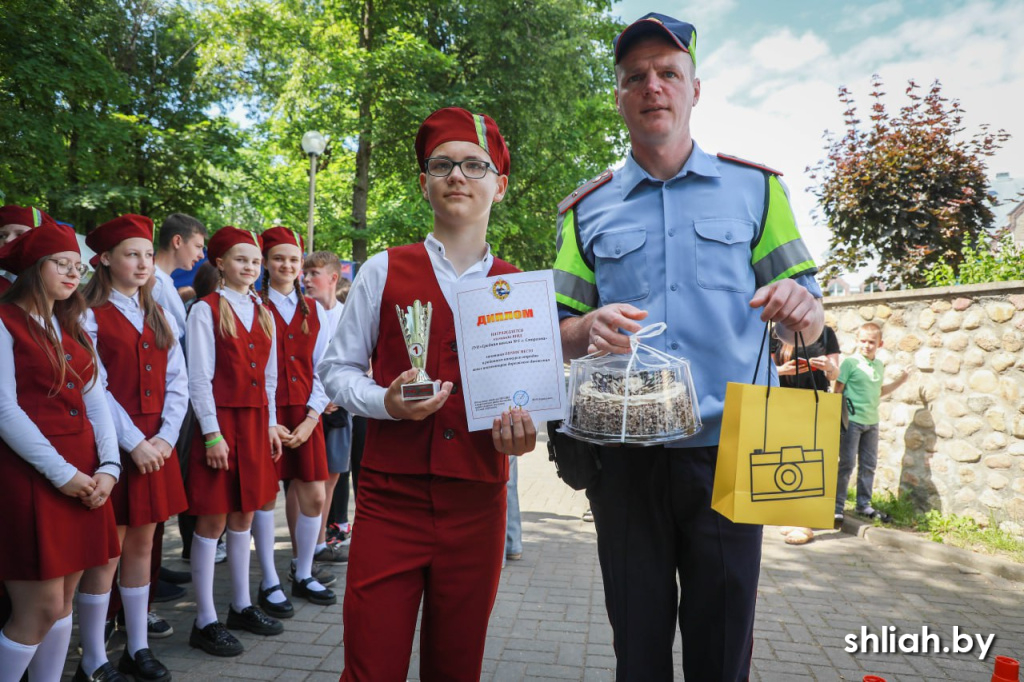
(420, 390)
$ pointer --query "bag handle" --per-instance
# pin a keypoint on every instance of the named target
(768, 390)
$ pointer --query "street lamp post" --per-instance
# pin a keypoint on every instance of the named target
(313, 143)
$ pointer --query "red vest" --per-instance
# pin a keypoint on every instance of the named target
(57, 411)
(5, 284)
(440, 444)
(136, 368)
(240, 379)
(295, 355)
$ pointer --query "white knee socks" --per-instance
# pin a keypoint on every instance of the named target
(307, 528)
(14, 658)
(48, 663)
(204, 551)
(263, 537)
(92, 616)
(238, 562)
(136, 606)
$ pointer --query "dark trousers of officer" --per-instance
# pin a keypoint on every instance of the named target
(652, 509)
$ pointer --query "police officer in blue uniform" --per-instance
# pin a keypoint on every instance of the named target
(707, 244)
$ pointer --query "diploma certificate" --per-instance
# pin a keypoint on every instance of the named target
(510, 351)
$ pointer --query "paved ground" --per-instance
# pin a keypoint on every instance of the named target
(549, 621)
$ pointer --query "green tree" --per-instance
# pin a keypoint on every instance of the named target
(367, 72)
(103, 112)
(908, 189)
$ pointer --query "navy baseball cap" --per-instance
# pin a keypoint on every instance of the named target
(682, 34)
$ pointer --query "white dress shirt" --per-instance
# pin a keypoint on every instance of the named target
(176, 397)
(334, 317)
(19, 431)
(344, 367)
(286, 307)
(201, 354)
(166, 294)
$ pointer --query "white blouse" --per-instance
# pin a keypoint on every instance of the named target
(201, 354)
(19, 431)
(286, 307)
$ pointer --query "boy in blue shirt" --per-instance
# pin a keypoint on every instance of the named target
(860, 382)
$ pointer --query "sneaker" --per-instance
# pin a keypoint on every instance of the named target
(222, 552)
(215, 639)
(251, 618)
(164, 591)
(873, 514)
(322, 575)
(514, 556)
(588, 516)
(838, 523)
(338, 533)
(143, 666)
(333, 554)
(157, 627)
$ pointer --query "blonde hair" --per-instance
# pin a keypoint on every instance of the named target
(872, 328)
(227, 317)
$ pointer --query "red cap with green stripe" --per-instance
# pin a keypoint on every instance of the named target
(455, 124)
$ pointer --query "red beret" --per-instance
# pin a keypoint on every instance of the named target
(113, 232)
(278, 235)
(226, 237)
(27, 216)
(25, 251)
(455, 124)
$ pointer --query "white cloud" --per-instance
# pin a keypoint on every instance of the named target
(785, 52)
(857, 17)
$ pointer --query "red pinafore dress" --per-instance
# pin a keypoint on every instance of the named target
(45, 534)
(137, 379)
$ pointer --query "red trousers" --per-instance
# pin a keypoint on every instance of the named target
(439, 540)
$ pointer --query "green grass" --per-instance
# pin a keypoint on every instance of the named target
(950, 529)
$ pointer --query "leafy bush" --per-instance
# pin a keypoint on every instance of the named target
(982, 262)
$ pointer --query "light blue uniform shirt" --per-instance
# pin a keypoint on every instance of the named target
(681, 250)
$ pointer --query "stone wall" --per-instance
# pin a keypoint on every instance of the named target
(953, 435)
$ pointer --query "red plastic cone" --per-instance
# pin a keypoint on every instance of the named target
(1007, 670)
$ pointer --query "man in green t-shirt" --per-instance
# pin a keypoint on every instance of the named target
(860, 382)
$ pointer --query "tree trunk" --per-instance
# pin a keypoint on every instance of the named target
(361, 186)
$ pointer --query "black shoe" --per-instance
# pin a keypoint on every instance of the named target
(143, 666)
(275, 609)
(157, 627)
(838, 523)
(175, 577)
(253, 620)
(104, 673)
(215, 639)
(333, 554)
(165, 591)
(324, 597)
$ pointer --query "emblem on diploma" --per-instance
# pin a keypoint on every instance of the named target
(415, 321)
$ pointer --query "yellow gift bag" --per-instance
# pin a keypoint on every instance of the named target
(778, 456)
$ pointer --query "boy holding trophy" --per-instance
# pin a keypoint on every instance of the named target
(430, 508)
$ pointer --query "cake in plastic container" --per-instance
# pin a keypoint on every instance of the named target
(643, 398)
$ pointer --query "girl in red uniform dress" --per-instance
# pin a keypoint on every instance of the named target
(302, 337)
(430, 509)
(148, 395)
(232, 365)
(58, 453)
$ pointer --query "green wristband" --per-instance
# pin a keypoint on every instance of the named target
(211, 443)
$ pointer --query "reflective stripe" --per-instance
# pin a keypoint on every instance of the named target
(481, 132)
(37, 217)
(779, 224)
(782, 260)
(575, 291)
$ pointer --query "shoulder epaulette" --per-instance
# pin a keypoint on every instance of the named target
(744, 162)
(583, 190)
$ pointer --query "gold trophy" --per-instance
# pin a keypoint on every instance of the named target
(415, 323)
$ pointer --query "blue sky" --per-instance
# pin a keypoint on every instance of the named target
(770, 72)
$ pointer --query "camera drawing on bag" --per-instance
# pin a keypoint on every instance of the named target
(790, 473)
